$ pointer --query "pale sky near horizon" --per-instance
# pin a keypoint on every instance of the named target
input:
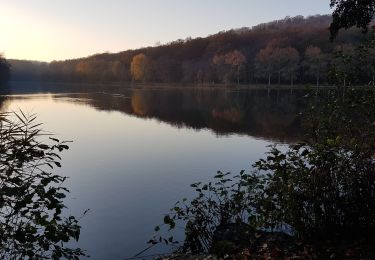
(48, 30)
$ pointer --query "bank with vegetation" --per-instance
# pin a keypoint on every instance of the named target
(316, 199)
(290, 51)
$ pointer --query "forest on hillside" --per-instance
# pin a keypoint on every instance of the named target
(294, 50)
(4, 70)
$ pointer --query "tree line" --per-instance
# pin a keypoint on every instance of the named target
(4, 70)
(294, 50)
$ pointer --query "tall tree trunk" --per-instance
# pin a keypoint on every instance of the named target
(238, 75)
(250, 77)
(269, 79)
(291, 79)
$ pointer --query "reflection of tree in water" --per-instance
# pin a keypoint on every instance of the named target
(270, 115)
(139, 104)
(260, 113)
(231, 115)
(277, 113)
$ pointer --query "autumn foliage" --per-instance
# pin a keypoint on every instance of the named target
(294, 50)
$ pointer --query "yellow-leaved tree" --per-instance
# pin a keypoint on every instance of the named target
(141, 68)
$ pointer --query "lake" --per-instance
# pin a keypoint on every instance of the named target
(135, 151)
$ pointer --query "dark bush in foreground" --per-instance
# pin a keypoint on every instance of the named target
(314, 199)
(31, 196)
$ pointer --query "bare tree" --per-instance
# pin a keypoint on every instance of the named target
(315, 61)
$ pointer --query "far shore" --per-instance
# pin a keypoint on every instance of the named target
(138, 85)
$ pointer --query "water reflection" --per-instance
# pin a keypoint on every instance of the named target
(129, 170)
(266, 114)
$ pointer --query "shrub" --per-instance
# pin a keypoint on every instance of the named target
(31, 196)
(318, 191)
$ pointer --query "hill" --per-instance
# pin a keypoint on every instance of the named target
(294, 50)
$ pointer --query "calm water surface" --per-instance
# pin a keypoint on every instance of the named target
(135, 151)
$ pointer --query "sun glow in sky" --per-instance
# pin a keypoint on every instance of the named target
(48, 30)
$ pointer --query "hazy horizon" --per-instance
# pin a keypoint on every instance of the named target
(46, 31)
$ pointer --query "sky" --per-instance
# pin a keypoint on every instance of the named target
(47, 30)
